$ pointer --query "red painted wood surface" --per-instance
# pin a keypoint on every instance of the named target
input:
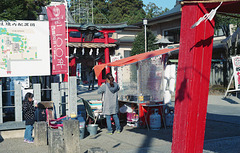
(106, 52)
(99, 78)
(193, 77)
(95, 40)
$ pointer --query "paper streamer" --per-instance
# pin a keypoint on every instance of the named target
(83, 51)
(97, 51)
(91, 51)
(167, 97)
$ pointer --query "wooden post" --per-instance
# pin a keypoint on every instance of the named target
(193, 76)
(18, 102)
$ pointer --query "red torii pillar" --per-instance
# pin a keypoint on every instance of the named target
(193, 77)
(106, 52)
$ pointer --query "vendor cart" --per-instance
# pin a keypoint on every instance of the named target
(143, 82)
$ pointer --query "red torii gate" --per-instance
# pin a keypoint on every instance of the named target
(195, 54)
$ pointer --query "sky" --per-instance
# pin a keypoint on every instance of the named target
(162, 3)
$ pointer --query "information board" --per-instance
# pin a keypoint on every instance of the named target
(24, 48)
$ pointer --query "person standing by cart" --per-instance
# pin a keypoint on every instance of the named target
(110, 102)
(29, 116)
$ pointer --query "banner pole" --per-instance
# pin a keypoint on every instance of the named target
(66, 8)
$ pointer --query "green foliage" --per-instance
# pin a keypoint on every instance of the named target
(223, 21)
(152, 10)
(125, 10)
(21, 9)
(113, 11)
(139, 42)
(100, 11)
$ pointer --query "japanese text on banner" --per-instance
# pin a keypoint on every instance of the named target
(56, 17)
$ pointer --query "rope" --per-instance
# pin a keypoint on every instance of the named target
(209, 1)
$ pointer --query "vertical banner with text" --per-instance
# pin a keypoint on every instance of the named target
(56, 18)
(236, 71)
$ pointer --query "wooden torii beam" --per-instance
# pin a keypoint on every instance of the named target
(195, 54)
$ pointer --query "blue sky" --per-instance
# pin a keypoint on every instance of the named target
(162, 3)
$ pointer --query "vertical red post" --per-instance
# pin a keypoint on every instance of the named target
(106, 52)
(73, 65)
(193, 77)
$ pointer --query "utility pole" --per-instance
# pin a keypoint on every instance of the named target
(145, 30)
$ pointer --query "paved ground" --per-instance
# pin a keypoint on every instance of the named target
(222, 133)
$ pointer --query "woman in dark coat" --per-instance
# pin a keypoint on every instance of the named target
(28, 114)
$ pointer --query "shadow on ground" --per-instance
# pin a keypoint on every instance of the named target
(220, 126)
(1, 138)
(229, 100)
(217, 127)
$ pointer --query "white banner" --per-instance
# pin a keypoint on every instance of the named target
(24, 48)
(236, 71)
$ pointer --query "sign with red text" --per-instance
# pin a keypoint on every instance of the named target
(56, 18)
(236, 71)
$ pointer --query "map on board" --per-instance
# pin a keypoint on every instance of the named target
(24, 48)
(14, 47)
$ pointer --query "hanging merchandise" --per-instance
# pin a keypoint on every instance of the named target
(172, 85)
(155, 120)
(167, 97)
(172, 71)
(167, 72)
(165, 84)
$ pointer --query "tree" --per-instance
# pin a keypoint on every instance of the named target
(21, 9)
(100, 11)
(152, 10)
(130, 11)
(223, 22)
(139, 42)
